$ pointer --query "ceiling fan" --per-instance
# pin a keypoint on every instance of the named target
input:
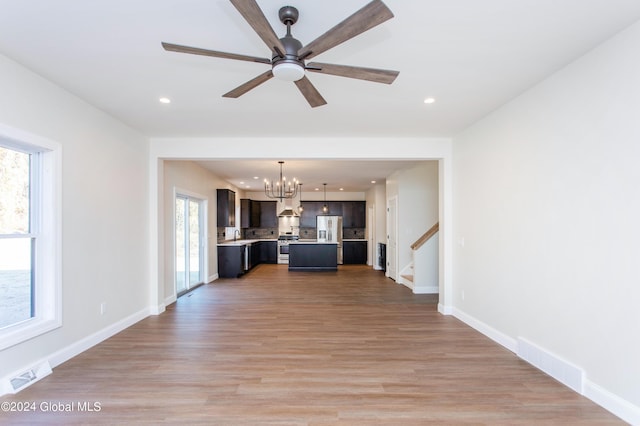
(289, 56)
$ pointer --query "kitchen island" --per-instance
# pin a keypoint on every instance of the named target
(313, 256)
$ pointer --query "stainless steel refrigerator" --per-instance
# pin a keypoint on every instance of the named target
(329, 230)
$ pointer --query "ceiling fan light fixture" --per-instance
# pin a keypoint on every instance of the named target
(288, 71)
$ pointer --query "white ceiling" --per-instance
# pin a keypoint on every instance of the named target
(351, 176)
(472, 56)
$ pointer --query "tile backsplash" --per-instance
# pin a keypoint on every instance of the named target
(269, 233)
(260, 233)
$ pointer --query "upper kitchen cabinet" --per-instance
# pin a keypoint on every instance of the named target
(310, 209)
(354, 214)
(334, 208)
(258, 214)
(250, 212)
(268, 214)
(226, 207)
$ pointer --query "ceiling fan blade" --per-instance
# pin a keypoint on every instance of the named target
(252, 13)
(251, 84)
(364, 19)
(204, 52)
(310, 93)
(361, 73)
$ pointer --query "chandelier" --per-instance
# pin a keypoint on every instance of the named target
(281, 189)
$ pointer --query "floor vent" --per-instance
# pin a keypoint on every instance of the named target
(25, 378)
(561, 370)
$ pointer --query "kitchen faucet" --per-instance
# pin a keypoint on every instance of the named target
(234, 234)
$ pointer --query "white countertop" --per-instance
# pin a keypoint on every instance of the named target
(308, 242)
(231, 243)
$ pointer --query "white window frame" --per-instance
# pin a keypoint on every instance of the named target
(45, 203)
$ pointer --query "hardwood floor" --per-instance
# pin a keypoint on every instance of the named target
(301, 348)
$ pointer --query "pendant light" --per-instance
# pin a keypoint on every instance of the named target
(300, 208)
(281, 189)
(325, 208)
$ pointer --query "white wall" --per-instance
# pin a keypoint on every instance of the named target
(190, 178)
(546, 198)
(417, 192)
(104, 214)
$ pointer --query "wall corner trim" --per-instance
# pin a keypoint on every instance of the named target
(445, 309)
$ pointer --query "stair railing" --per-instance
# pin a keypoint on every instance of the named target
(426, 236)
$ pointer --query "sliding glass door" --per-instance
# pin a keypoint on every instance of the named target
(189, 243)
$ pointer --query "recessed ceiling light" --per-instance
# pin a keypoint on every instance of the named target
(373, 181)
(256, 177)
(341, 189)
(241, 183)
(429, 100)
(317, 189)
(164, 100)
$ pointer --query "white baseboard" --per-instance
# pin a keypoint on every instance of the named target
(620, 407)
(157, 310)
(487, 330)
(82, 345)
(169, 300)
(563, 371)
(426, 290)
(212, 278)
(445, 309)
(404, 282)
(566, 373)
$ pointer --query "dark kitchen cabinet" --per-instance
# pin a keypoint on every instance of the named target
(313, 257)
(268, 214)
(258, 214)
(310, 209)
(335, 208)
(354, 214)
(226, 207)
(354, 252)
(256, 254)
(268, 251)
(250, 212)
(230, 261)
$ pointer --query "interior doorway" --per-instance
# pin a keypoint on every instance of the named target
(189, 243)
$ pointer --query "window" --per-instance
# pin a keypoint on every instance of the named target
(16, 239)
(29, 237)
(189, 231)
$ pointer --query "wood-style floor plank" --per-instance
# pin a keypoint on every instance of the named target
(297, 348)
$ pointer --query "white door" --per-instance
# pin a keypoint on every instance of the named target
(189, 243)
(392, 237)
